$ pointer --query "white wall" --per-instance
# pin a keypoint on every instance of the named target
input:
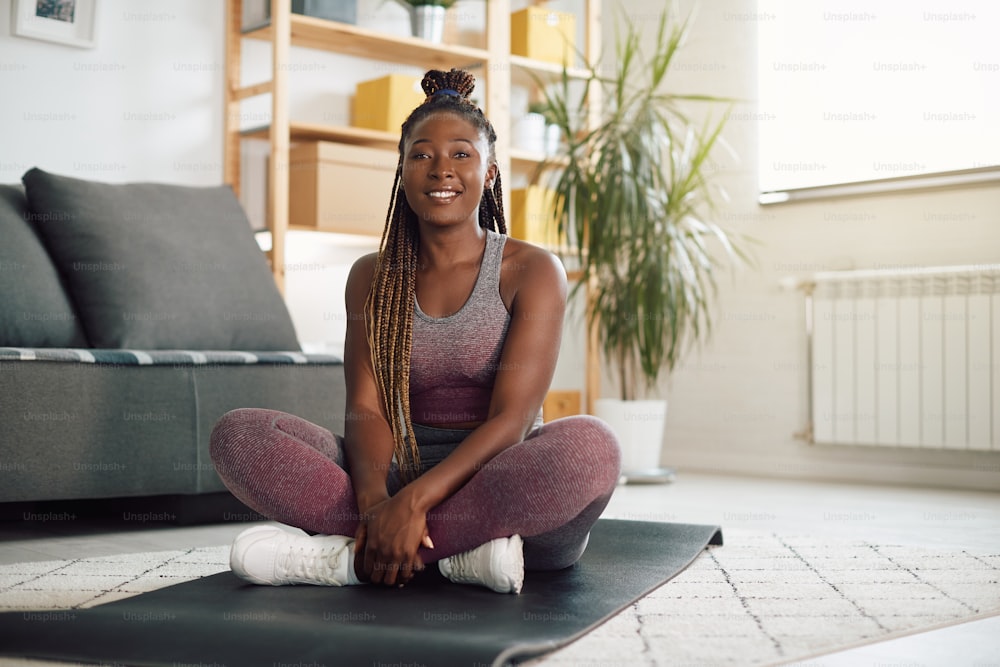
(143, 105)
(737, 403)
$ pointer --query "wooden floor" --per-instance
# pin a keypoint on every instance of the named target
(919, 517)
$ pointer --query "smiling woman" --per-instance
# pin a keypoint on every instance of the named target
(447, 166)
(453, 330)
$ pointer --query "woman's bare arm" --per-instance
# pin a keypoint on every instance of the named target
(368, 441)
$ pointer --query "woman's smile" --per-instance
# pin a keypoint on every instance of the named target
(444, 196)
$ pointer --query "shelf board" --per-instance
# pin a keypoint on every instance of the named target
(358, 136)
(322, 34)
(532, 158)
(545, 70)
(529, 157)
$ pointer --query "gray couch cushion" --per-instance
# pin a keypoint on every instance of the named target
(102, 430)
(156, 266)
(35, 310)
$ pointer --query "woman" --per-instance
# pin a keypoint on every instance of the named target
(452, 337)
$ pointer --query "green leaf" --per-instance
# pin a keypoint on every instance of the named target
(634, 194)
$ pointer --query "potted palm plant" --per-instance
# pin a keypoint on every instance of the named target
(633, 199)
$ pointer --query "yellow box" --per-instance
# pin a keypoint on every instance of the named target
(543, 34)
(384, 103)
(339, 187)
(532, 215)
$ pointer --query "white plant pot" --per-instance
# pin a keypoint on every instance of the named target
(427, 22)
(639, 426)
(553, 136)
(529, 133)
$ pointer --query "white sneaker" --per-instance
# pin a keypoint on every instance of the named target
(498, 564)
(278, 556)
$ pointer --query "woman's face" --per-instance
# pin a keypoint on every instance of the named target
(446, 166)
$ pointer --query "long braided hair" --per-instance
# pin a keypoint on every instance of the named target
(390, 304)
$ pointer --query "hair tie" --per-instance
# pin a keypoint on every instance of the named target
(447, 91)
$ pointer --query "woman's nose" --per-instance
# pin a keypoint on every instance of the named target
(441, 167)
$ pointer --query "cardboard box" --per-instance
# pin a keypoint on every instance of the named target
(559, 404)
(339, 187)
(532, 215)
(543, 34)
(383, 104)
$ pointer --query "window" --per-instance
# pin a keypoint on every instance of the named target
(884, 91)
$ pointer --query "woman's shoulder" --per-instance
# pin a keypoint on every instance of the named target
(519, 255)
(365, 262)
(363, 268)
(526, 265)
(359, 280)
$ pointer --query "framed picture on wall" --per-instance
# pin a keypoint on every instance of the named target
(69, 22)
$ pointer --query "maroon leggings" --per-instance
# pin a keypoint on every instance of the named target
(549, 489)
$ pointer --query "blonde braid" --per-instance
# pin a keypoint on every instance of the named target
(389, 309)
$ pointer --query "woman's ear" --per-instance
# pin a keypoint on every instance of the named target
(491, 176)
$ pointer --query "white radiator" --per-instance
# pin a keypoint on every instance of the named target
(906, 358)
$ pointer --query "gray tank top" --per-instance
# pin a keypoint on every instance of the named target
(454, 359)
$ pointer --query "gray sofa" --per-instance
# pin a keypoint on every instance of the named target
(132, 316)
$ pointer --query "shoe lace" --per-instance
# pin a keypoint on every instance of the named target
(309, 561)
(464, 566)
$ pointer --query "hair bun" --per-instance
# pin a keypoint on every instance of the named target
(455, 81)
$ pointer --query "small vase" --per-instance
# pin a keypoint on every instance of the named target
(427, 22)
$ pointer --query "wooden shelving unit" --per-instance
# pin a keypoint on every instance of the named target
(494, 65)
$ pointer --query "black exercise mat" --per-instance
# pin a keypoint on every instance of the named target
(221, 620)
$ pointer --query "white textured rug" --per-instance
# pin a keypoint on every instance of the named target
(760, 599)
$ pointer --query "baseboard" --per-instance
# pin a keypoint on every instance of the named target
(828, 466)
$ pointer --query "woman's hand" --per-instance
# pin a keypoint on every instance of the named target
(388, 537)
